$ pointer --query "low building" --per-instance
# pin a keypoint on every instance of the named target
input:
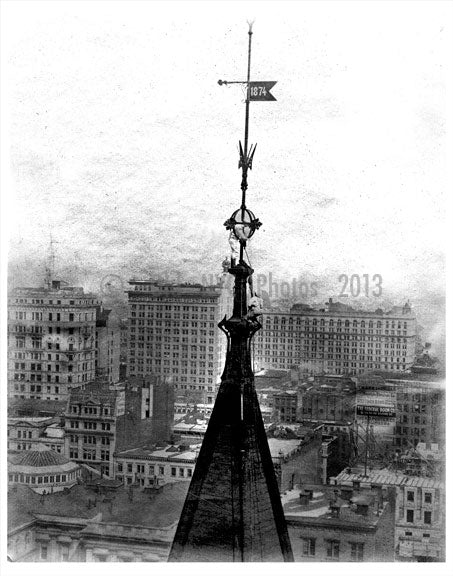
(419, 512)
(19, 408)
(326, 524)
(43, 471)
(85, 525)
(324, 399)
(185, 408)
(35, 433)
(425, 460)
(156, 466)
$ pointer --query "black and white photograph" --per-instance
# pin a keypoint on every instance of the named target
(224, 265)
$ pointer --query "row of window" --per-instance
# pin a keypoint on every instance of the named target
(91, 411)
(153, 470)
(427, 497)
(90, 302)
(332, 550)
(150, 307)
(427, 516)
(51, 479)
(88, 454)
(338, 322)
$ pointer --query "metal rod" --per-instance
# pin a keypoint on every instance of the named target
(366, 443)
(245, 159)
(246, 134)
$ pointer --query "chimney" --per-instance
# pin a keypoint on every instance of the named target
(346, 492)
(335, 510)
(304, 499)
(362, 509)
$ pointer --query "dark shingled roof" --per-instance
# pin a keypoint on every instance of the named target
(39, 458)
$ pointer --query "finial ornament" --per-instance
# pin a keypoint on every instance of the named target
(243, 222)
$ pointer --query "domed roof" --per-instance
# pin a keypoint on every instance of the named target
(41, 458)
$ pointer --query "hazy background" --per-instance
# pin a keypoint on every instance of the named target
(124, 147)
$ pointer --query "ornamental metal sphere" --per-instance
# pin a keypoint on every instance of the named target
(243, 224)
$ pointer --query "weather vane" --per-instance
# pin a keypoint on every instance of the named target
(242, 222)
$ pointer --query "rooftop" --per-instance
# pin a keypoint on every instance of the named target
(37, 458)
(171, 453)
(318, 509)
(124, 506)
(28, 407)
(385, 477)
(280, 447)
(32, 421)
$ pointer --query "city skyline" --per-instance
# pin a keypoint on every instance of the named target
(323, 436)
(94, 126)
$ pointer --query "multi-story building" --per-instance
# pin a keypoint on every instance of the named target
(419, 511)
(423, 460)
(418, 406)
(285, 406)
(102, 419)
(91, 422)
(107, 362)
(51, 341)
(173, 331)
(327, 402)
(328, 524)
(420, 412)
(336, 339)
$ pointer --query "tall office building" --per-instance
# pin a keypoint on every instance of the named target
(173, 331)
(51, 341)
(337, 339)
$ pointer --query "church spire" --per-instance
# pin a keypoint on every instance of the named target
(233, 510)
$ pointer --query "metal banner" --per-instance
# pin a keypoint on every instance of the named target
(260, 91)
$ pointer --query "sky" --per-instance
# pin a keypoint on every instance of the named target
(123, 147)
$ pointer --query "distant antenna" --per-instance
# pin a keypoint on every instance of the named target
(50, 266)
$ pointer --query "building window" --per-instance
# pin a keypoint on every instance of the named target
(43, 551)
(410, 496)
(308, 546)
(428, 497)
(357, 551)
(409, 515)
(161, 471)
(332, 550)
(427, 517)
(173, 471)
